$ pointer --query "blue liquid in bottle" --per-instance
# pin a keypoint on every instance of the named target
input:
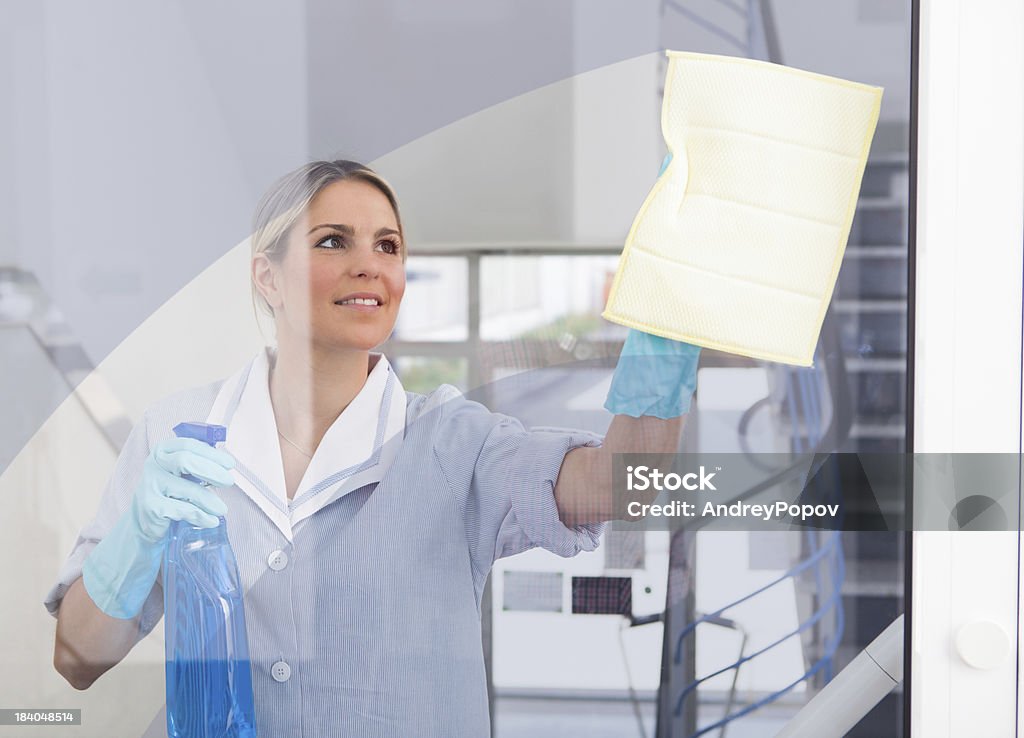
(209, 682)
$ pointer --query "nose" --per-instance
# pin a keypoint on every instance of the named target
(363, 264)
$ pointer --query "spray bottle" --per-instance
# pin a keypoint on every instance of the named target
(209, 681)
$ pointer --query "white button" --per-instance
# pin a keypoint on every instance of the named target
(280, 671)
(982, 644)
(277, 560)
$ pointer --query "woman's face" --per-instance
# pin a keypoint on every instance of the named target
(342, 277)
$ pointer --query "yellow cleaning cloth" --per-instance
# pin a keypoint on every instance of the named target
(738, 245)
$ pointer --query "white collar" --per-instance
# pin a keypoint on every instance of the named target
(357, 449)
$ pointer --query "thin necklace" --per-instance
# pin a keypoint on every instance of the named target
(294, 445)
(289, 441)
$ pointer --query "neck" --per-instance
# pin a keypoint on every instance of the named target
(311, 387)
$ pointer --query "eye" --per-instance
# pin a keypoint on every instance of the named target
(390, 246)
(330, 242)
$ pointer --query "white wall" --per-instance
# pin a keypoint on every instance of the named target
(616, 141)
(143, 135)
(503, 175)
(8, 191)
(854, 39)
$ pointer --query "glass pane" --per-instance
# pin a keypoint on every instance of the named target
(544, 297)
(777, 649)
(881, 334)
(434, 306)
(425, 373)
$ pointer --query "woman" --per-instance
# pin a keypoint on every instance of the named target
(364, 519)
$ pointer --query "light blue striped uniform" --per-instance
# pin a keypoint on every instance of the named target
(365, 620)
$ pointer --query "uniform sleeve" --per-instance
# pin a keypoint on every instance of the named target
(114, 503)
(510, 473)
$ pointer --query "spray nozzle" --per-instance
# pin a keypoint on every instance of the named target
(205, 432)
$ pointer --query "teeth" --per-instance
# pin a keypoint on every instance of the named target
(360, 301)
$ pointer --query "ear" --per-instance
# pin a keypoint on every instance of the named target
(265, 279)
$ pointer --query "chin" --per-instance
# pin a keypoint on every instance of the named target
(350, 337)
(356, 343)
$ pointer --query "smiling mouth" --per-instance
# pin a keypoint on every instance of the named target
(370, 301)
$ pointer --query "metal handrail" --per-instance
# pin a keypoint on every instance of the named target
(41, 305)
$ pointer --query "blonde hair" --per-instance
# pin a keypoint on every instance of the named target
(286, 201)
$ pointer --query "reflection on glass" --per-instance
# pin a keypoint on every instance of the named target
(731, 632)
(806, 603)
(424, 374)
(434, 306)
(541, 298)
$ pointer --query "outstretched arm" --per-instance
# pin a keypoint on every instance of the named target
(650, 396)
(584, 490)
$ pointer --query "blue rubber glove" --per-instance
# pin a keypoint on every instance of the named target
(120, 572)
(655, 376)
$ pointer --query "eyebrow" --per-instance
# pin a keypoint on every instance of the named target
(348, 230)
